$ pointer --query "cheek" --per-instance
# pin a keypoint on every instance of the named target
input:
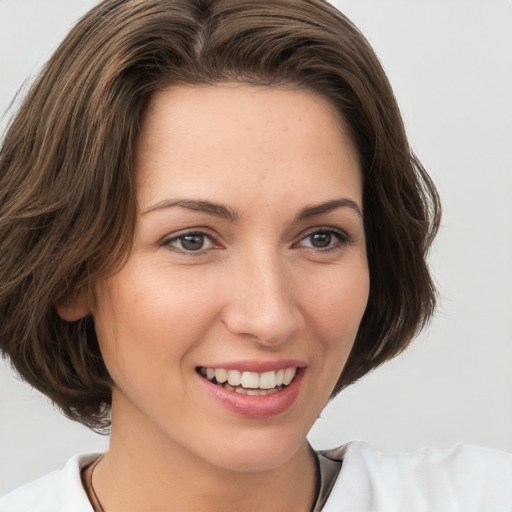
(334, 314)
(337, 307)
(141, 321)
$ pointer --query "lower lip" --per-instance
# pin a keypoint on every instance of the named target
(256, 406)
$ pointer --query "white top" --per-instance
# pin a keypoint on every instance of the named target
(464, 478)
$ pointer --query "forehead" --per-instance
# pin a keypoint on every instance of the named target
(234, 138)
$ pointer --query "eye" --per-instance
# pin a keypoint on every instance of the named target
(324, 239)
(190, 242)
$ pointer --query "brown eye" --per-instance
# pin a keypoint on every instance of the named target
(190, 242)
(321, 239)
(324, 239)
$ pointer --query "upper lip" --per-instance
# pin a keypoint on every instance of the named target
(258, 366)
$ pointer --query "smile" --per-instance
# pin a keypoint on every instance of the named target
(250, 383)
(254, 394)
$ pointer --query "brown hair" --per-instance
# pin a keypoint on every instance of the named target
(67, 204)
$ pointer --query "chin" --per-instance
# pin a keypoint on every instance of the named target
(255, 455)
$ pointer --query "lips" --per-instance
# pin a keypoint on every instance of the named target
(250, 383)
(251, 393)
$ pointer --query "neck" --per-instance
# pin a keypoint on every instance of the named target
(144, 470)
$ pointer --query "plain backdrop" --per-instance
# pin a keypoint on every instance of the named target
(450, 62)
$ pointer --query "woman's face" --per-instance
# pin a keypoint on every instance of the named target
(248, 264)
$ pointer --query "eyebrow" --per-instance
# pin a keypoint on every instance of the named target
(220, 210)
(329, 206)
(199, 206)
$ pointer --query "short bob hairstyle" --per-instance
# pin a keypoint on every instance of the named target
(67, 199)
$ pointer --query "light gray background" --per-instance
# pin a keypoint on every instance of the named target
(450, 62)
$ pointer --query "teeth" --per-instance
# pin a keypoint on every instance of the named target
(289, 373)
(254, 392)
(257, 383)
(250, 380)
(221, 375)
(234, 377)
(268, 380)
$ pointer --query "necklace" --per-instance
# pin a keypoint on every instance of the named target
(97, 507)
(93, 497)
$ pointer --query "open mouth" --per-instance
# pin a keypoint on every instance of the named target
(249, 383)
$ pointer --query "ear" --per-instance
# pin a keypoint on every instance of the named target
(74, 308)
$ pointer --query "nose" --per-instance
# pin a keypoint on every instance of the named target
(262, 304)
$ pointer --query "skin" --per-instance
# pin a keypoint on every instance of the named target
(258, 289)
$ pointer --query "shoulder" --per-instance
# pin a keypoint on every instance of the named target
(465, 478)
(59, 491)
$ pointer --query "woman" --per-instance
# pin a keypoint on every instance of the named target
(211, 224)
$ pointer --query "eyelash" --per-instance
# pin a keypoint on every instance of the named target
(168, 243)
(341, 236)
